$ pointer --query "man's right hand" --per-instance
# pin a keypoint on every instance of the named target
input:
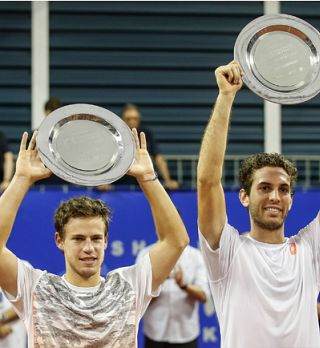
(171, 184)
(5, 330)
(229, 78)
(29, 165)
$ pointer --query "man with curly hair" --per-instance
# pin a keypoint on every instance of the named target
(265, 286)
(81, 309)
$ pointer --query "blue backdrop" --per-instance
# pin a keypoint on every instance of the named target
(131, 229)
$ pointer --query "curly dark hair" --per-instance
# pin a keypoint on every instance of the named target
(82, 206)
(260, 160)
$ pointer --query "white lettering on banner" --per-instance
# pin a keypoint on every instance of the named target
(209, 308)
(117, 248)
(209, 334)
(137, 245)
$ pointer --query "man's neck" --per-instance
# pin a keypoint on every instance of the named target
(81, 282)
(267, 236)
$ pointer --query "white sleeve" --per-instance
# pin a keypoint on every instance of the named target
(201, 274)
(140, 277)
(311, 235)
(26, 281)
(218, 261)
(143, 252)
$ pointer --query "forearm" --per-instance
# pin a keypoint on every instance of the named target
(214, 142)
(8, 166)
(163, 167)
(10, 202)
(195, 292)
(168, 223)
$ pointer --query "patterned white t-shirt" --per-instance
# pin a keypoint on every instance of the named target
(266, 294)
(56, 315)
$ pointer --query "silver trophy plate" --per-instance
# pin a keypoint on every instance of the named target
(280, 58)
(86, 145)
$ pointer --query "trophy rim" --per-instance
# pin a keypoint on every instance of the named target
(66, 133)
(304, 32)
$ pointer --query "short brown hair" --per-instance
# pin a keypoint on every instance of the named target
(82, 206)
(53, 104)
(260, 160)
(127, 107)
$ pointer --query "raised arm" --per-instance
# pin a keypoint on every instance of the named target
(172, 235)
(211, 200)
(29, 169)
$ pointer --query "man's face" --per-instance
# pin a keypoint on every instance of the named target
(270, 198)
(132, 118)
(84, 244)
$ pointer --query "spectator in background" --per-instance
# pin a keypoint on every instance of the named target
(172, 319)
(6, 160)
(132, 117)
(51, 105)
(12, 331)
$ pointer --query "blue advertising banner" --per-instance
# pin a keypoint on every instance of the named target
(132, 229)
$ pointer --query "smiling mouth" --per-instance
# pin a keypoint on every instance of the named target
(88, 259)
(273, 211)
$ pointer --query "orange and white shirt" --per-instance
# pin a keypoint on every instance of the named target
(60, 315)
